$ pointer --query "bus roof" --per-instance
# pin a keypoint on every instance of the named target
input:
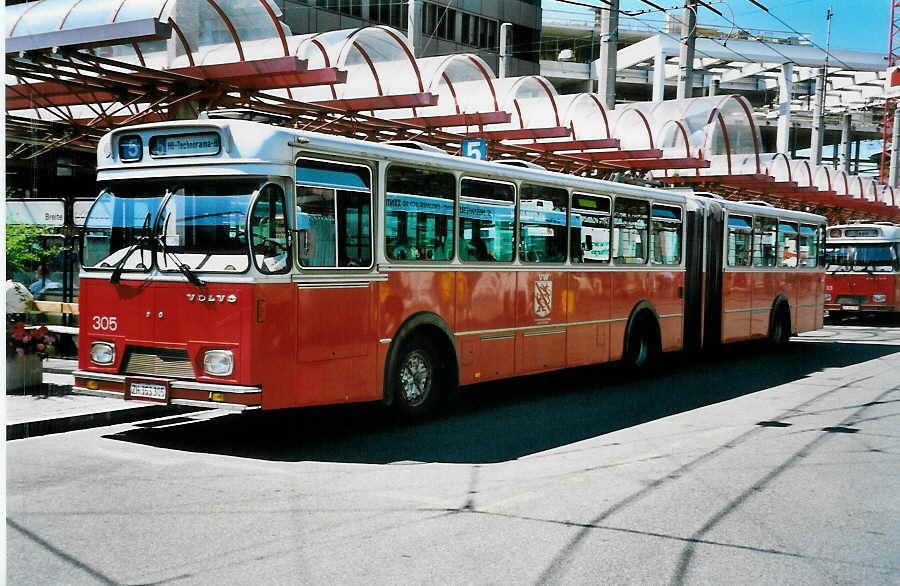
(249, 147)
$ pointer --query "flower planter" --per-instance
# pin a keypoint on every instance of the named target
(23, 372)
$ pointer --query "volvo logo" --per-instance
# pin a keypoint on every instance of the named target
(212, 298)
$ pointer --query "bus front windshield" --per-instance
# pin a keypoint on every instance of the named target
(197, 224)
(861, 258)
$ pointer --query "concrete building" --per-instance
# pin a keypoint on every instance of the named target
(445, 26)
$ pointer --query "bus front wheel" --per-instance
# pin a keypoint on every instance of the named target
(417, 377)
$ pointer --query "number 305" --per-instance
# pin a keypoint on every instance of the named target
(102, 322)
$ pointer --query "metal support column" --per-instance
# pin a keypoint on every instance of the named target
(895, 155)
(686, 53)
(659, 75)
(845, 143)
(785, 92)
(506, 41)
(414, 27)
(818, 125)
(609, 42)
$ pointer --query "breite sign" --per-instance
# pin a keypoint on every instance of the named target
(46, 212)
(892, 82)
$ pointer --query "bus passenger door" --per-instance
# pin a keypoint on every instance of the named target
(712, 306)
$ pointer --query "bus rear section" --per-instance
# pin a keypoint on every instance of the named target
(862, 269)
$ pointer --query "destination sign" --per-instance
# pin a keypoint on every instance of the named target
(181, 145)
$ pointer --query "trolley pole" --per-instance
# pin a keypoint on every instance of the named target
(686, 53)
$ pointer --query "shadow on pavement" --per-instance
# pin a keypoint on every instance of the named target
(495, 422)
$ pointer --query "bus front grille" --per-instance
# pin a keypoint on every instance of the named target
(164, 362)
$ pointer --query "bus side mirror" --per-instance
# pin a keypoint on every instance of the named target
(306, 243)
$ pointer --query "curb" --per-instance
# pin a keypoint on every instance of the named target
(28, 429)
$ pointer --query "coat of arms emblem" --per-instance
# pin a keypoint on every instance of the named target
(543, 298)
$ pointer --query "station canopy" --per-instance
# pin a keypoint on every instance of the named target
(77, 68)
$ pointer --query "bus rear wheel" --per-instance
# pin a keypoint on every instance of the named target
(417, 377)
(642, 351)
(780, 330)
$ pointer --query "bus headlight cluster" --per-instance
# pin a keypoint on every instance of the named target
(103, 353)
(827, 297)
(218, 362)
(879, 298)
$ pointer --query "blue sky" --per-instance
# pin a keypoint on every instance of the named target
(857, 24)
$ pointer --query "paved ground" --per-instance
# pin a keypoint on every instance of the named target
(741, 468)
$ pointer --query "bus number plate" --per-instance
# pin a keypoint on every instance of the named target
(151, 391)
(850, 307)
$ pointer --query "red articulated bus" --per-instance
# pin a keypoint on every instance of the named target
(862, 269)
(234, 264)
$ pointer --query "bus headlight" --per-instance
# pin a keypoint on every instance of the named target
(879, 297)
(828, 298)
(103, 353)
(218, 362)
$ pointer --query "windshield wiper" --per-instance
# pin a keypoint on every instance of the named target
(116, 275)
(185, 270)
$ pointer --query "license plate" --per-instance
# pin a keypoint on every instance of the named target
(850, 307)
(148, 390)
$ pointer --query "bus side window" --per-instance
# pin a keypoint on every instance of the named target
(764, 236)
(589, 222)
(268, 232)
(486, 221)
(630, 231)
(419, 208)
(665, 235)
(740, 240)
(334, 202)
(542, 224)
(787, 245)
(807, 249)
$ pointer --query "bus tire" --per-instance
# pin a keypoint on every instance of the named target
(643, 346)
(780, 326)
(417, 380)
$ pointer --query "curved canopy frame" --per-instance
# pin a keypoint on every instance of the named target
(196, 24)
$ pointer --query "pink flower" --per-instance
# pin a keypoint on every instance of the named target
(40, 346)
(47, 340)
(26, 339)
(20, 351)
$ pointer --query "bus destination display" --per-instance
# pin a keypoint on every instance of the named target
(179, 145)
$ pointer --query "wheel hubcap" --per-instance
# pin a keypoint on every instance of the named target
(415, 378)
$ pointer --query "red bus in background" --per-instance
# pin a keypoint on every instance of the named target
(862, 269)
(238, 265)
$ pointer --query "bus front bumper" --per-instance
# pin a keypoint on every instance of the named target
(168, 391)
(861, 308)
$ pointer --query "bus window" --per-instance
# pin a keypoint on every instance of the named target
(487, 212)
(740, 239)
(665, 235)
(764, 235)
(808, 249)
(787, 245)
(418, 214)
(630, 227)
(334, 201)
(589, 223)
(268, 232)
(542, 224)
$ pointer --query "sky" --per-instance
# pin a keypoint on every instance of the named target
(856, 24)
